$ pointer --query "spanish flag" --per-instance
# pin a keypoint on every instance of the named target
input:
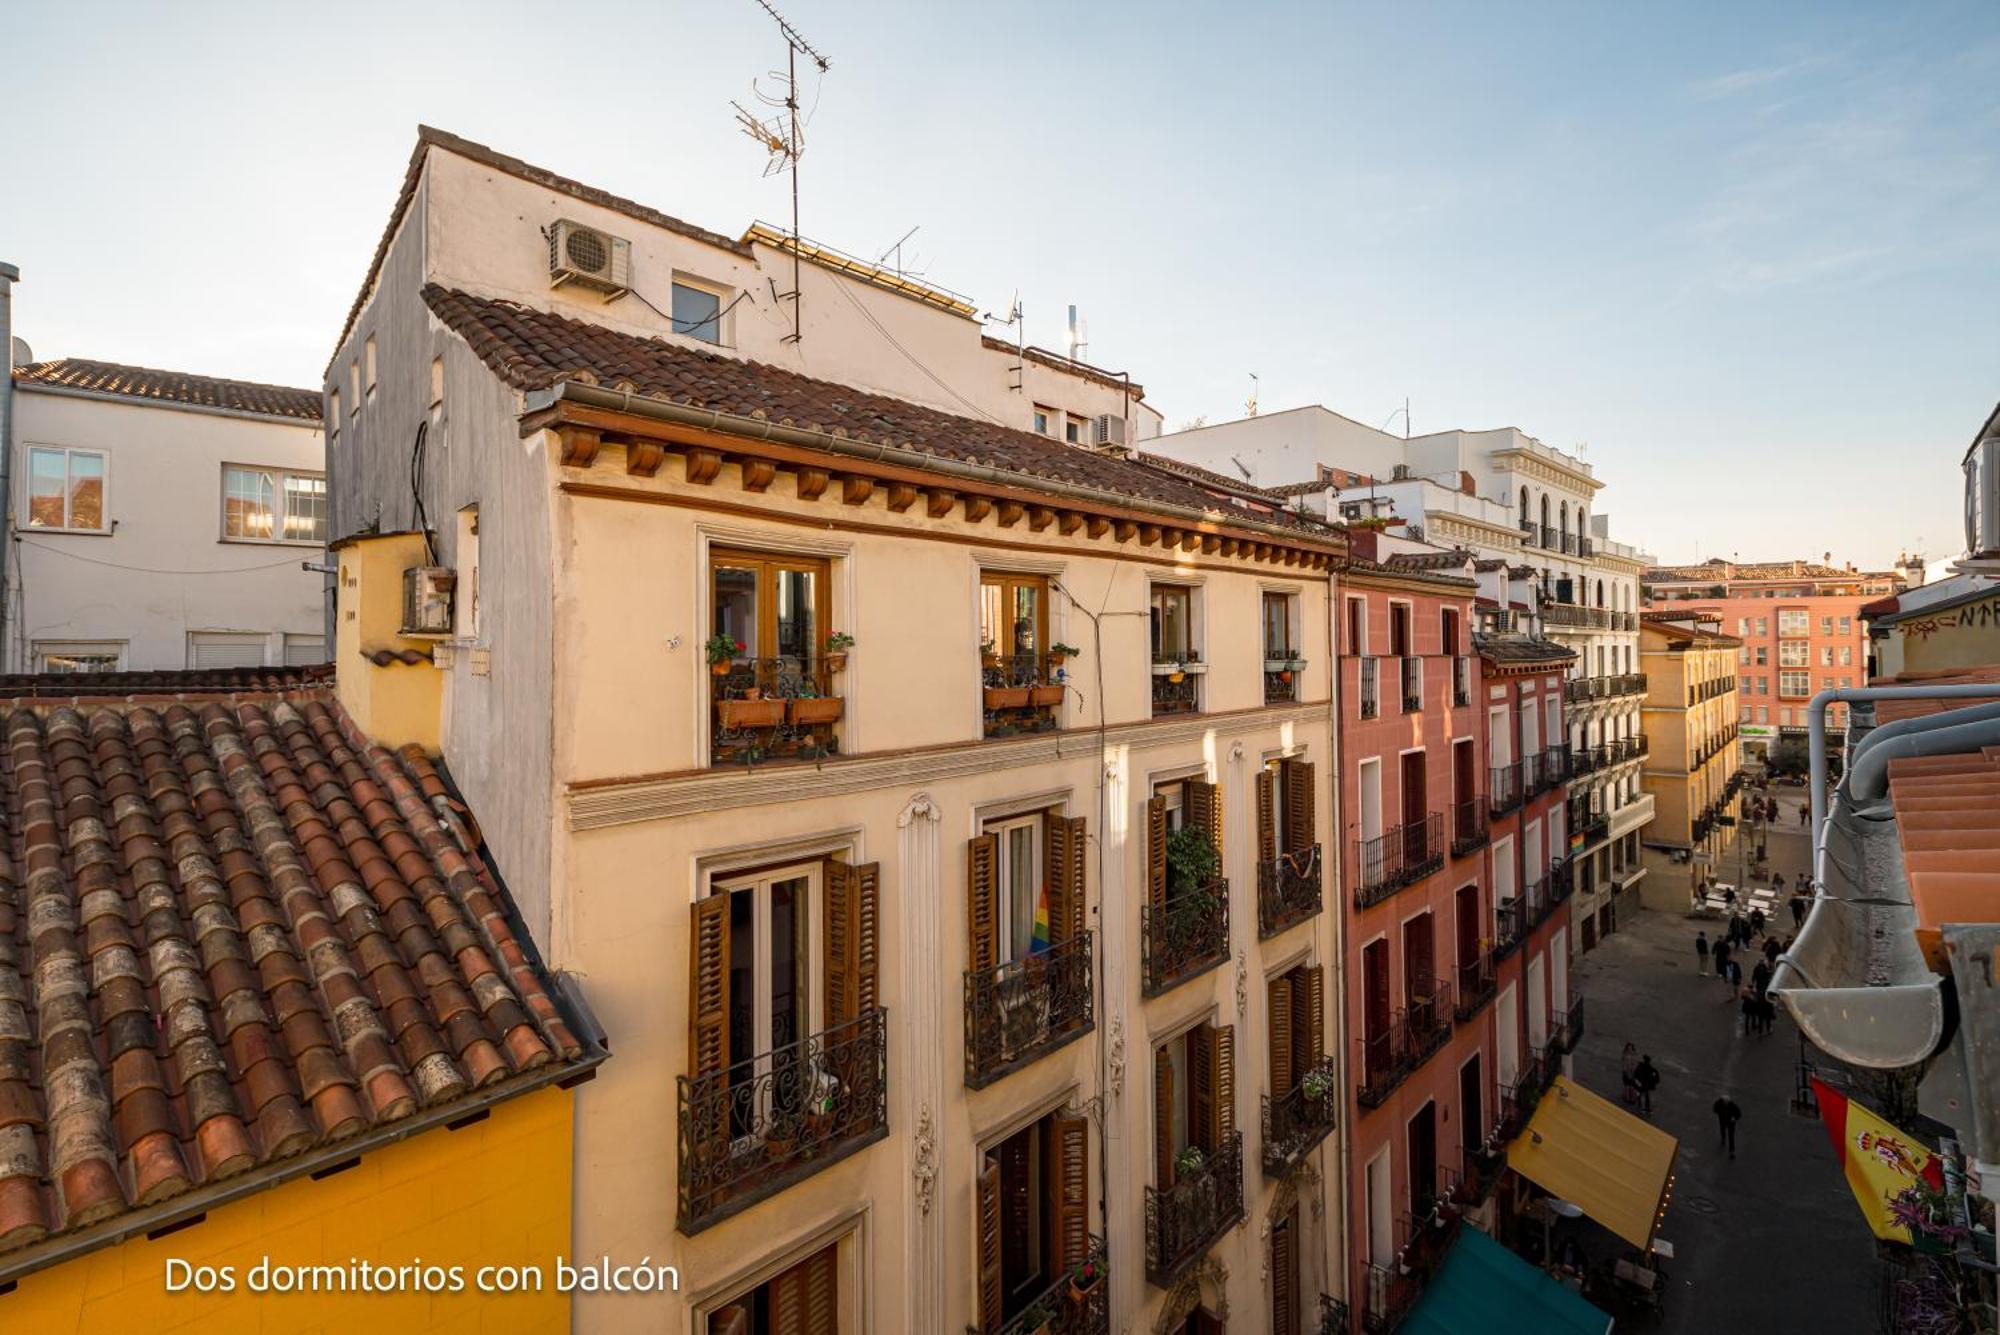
(1881, 1162)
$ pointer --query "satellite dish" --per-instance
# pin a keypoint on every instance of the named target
(21, 353)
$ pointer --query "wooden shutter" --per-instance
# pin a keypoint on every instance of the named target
(1278, 992)
(1309, 1012)
(982, 871)
(1222, 1110)
(1299, 834)
(1201, 1087)
(731, 1320)
(992, 1291)
(1163, 1119)
(1267, 815)
(805, 1300)
(853, 940)
(1065, 860)
(1204, 809)
(1156, 851)
(708, 987)
(1285, 1277)
(1069, 1188)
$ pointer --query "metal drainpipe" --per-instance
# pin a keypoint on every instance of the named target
(9, 275)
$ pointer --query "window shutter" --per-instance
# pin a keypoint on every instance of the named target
(1299, 821)
(805, 1300)
(1267, 815)
(982, 862)
(1156, 851)
(991, 1287)
(1163, 1120)
(1284, 1278)
(1278, 993)
(853, 940)
(1204, 809)
(1065, 847)
(708, 987)
(1069, 1188)
(1309, 996)
(1222, 1107)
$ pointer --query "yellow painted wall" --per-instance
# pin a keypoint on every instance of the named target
(400, 703)
(497, 1191)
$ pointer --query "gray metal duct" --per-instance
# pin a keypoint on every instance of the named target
(1868, 778)
(1922, 723)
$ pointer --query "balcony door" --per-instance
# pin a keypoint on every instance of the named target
(1371, 799)
(804, 1300)
(1033, 1206)
(1194, 1097)
(1469, 926)
(1014, 619)
(1399, 630)
(1285, 1279)
(1415, 795)
(1419, 961)
(1381, 1213)
(776, 607)
(772, 927)
(1471, 1106)
(1538, 1005)
(1375, 1008)
(1423, 1160)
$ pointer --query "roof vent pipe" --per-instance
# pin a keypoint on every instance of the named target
(1868, 780)
(1923, 723)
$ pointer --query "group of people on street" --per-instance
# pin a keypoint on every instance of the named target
(1640, 1078)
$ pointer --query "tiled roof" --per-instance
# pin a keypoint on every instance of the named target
(1686, 635)
(1208, 477)
(533, 349)
(1720, 571)
(235, 937)
(1518, 648)
(198, 681)
(1889, 711)
(199, 391)
(1357, 565)
(1454, 560)
(1948, 819)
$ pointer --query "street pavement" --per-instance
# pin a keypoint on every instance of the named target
(1770, 1242)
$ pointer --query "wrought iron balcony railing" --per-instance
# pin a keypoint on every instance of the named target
(773, 709)
(1281, 684)
(1477, 984)
(1186, 936)
(1479, 1172)
(1567, 1026)
(1021, 693)
(1171, 696)
(1391, 861)
(1537, 902)
(1369, 692)
(1288, 890)
(1510, 926)
(1413, 683)
(1333, 1317)
(1468, 826)
(1061, 1309)
(1026, 1008)
(1184, 1220)
(1431, 1016)
(1412, 1036)
(755, 1128)
(1461, 681)
(1300, 1118)
(1503, 788)
(1562, 879)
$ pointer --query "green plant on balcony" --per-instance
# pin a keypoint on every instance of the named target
(1036, 1319)
(1189, 1161)
(1060, 653)
(1087, 1276)
(1192, 865)
(1317, 1085)
(722, 651)
(837, 645)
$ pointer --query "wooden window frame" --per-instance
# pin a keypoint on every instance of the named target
(1007, 581)
(768, 565)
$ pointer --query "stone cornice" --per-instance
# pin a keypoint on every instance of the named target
(1532, 465)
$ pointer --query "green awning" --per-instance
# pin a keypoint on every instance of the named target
(1484, 1289)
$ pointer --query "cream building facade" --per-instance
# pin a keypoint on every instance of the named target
(1693, 766)
(935, 806)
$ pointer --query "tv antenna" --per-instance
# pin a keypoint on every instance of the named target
(781, 135)
(1250, 405)
(1019, 325)
(897, 251)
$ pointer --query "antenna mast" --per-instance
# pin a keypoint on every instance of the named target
(785, 144)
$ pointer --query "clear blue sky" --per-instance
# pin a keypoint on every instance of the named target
(1747, 253)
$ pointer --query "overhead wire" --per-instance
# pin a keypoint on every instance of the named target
(152, 570)
(935, 379)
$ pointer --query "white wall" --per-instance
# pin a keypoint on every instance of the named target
(164, 573)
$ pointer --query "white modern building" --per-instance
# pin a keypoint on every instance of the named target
(161, 520)
(1527, 511)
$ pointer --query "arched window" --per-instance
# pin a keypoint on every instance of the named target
(1565, 522)
(1524, 505)
(1600, 593)
(1545, 509)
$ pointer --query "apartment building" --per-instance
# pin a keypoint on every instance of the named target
(1693, 763)
(936, 803)
(1526, 510)
(161, 520)
(1801, 625)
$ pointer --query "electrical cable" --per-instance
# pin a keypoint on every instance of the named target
(150, 570)
(935, 379)
(680, 326)
(417, 491)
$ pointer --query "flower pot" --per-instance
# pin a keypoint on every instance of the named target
(836, 662)
(819, 709)
(721, 669)
(1057, 660)
(1080, 1293)
(739, 714)
(1006, 697)
(1177, 677)
(1038, 696)
(990, 660)
(1286, 675)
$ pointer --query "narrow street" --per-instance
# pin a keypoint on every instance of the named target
(1770, 1241)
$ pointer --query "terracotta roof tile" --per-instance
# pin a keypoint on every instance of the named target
(1948, 820)
(200, 391)
(233, 931)
(1889, 711)
(533, 349)
(204, 682)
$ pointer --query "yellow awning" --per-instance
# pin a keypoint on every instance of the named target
(1589, 1151)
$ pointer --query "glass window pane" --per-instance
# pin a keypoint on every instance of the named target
(991, 600)
(247, 499)
(305, 508)
(1019, 888)
(798, 616)
(736, 607)
(697, 313)
(47, 481)
(787, 949)
(86, 490)
(1024, 633)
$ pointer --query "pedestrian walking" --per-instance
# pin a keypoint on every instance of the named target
(1735, 929)
(1628, 1063)
(1772, 949)
(1721, 959)
(1805, 815)
(1727, 1115)
(1700, 956)
(1646, 1079)
(1767, 1013)
(1800, 903)
(1746, 1012)
(1735, 973)
(1756, 923)
(1760, 978)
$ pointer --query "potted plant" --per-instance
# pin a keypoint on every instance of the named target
(1037, 1320)
(1086, 1277)
(722, 651)
(810, 708)
(753, 711)
(1178, 673)
(1317, 1085)
(1045, 693)
(1189, 1161)
(837, 645)
(1060, 653)
(1192, 862)
(989, 655)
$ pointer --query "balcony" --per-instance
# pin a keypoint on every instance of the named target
(1477, 984)
(1176, 688)
(1585, 760)
(1567, 1026)
(1479, 1173)
(1413, 684)
(1186, 936)
(757, 1127)
(1184, 1220)
(1369, 693)
(1468, 826)
(1572, 544)
(1060, 1310)
(1585, 547)
(1391, 861)
(1562, 880)
(1288, 890)
(1503, 789)
(1021, 693)
(1300, 1118)
(1510, 927)
(1551, 538)
(1461, 682)
(1281, 678)
(1026, 1009)
(1576, 615)
(1333, 1316)
(1392, 1291)
(1413, 1035)
(1530, 531)
(772, 709)
(1630, 683)
(1535, 904)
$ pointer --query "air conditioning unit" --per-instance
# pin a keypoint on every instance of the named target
(427, 593)
(1400, 473)
(1107, 430)
(1982, 498)
(589, 258)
